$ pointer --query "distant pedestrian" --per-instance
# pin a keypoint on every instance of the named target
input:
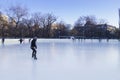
(73, 38)
(3, 40)
(29, 40)
(21, 40)
(34, 47)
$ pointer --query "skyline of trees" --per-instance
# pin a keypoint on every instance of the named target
(20, 23)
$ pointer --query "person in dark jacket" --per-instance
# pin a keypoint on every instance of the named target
(34, 47)
(21, 40)
(3, 40)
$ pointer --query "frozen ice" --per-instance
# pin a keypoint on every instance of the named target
(60, 59)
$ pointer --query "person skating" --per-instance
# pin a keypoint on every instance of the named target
(34, 47)
(3, 40)
(21, 40)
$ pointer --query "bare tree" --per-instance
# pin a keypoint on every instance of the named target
(102, 21)
(85, 20)
(47, 21)
(50, 19)
(16, 13)
(29, 24)
(90, 20)
(44, 21)
(80, 22)
(36, 19)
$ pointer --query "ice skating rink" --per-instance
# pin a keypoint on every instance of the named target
(60, 59)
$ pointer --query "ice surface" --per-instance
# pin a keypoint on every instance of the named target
(60, 59)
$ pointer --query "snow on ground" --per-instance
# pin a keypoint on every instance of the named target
(60, 59)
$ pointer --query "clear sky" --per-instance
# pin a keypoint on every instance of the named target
(70, 10)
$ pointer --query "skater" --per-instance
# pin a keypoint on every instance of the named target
(3, 40)
(29, 40)
(21, 40)
(34, 47)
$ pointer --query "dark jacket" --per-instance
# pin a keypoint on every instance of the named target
(33, 44)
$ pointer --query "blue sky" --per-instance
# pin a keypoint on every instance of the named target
(70, 10)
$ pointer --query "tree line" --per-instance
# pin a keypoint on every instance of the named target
(18, 23)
